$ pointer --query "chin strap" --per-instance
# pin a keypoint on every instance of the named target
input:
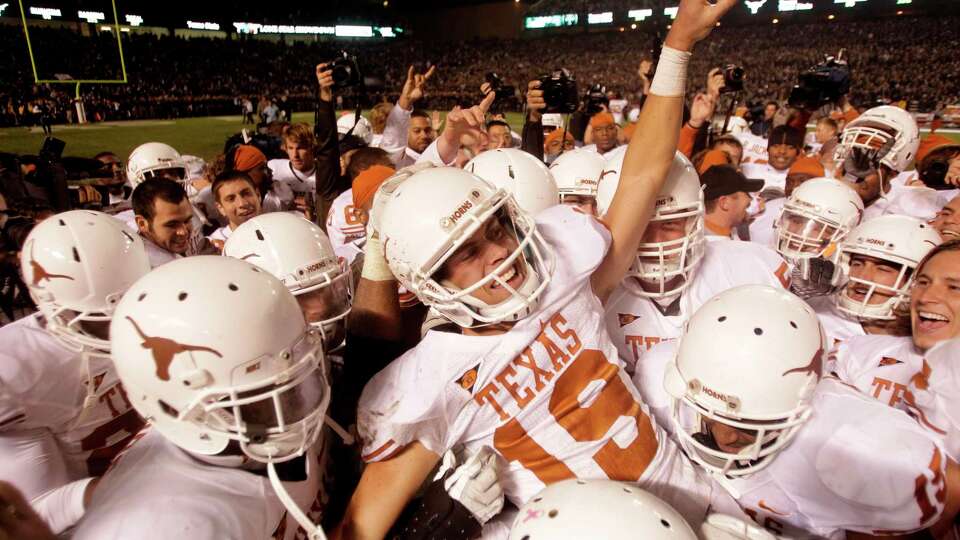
(314, 531)
(89, 400)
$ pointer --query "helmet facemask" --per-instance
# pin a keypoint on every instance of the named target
(770, 435)
(530, 256)
(669, 265)
(273, 420)
(899, 292)
(803, 234)
(329, 302)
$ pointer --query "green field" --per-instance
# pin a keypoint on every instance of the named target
(202, 137)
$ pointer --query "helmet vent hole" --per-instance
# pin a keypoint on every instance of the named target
(665, 523)
(537, 499)
(259, 235)
(168, 409)
(553, 513)
(722, 318)
(581, 482)
(182, 296)
(62, 224)
(793, 324)
(758, 331)
(525, 537)
(233, 287)
(76, 255)
(141, 297)
(255, 269)
(627, 490)
(125, 233)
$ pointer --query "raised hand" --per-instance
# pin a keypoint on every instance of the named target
(413, 87)
(535, 101)
(325, 80)
(695, 19)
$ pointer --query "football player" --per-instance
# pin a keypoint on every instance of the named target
(578, 173)
(520, 174)
(796, 449)
(675, 269)
(526, 296)
(63, 413)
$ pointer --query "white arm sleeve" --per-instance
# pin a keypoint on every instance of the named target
(62, 507)
(32, 461)
(395, 130)
(432, 154)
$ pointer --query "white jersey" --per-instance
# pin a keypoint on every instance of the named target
(520, 392)
(43, 386)
(297, 181)
(346, 224)
(220, 236)
(829, 479)
(934, 395)
(879, 366)
(838, 326)
(762, 229)
(754, 148)
(156, 490)
(635, 323)
(772, 178)
(918, 202)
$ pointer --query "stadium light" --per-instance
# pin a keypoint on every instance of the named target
(671, 11)
(91, 16)
(755, 5)
(640, 14)
(848, 3)
(600, 18)
(831, 17)
(385, 31)
(46, 13)
(346, 30)
(203, 25)
(633, 26)
(899, 3)
(794, 5)
(776, 21)
(134, 20)
(3, 7)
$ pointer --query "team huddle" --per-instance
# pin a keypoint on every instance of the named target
(477, 341)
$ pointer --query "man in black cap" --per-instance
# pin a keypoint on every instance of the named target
(783, 147)
(727, 194)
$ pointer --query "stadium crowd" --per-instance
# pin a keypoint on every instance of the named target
(891, 59)
(665, 322)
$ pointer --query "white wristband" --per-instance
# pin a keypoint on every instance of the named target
(375, 267)
(670, 80)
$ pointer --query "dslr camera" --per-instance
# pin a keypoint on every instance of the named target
(596, 99)
(559, 92)
(346, 71)
(501, 90)
(733, 77)
(822, 84)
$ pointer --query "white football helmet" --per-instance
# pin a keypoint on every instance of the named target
(363, 129)
(298, 252)
(896, 239)
(431, 214)
(577, 509)
(212, 350)
(680, 198)
(520, 174)
(77, 265)
(578, 172)
(749, 360)
(155, 160)
(816, 217)
(885, 134)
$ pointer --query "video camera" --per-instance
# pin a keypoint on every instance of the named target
(346, 71)
(502, 91)
(933, 170)
(596, 99)
(733, 77)
(823, 84)
(559, 92)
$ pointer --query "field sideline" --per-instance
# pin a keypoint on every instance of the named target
(200, 136)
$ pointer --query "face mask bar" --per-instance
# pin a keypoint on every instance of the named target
(863, 309)
(814, 238)
(339, 296)
(67, 325)
(459, 304)
(771, 436)
(294, 400)
(862, 142)
(660, 262)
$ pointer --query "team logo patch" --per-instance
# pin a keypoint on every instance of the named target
(469, 378)
(163, 350)
(626, 318)
(887, 361)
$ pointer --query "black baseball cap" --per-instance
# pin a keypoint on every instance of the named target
(721, 180)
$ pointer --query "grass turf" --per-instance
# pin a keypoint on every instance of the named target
(203, 136)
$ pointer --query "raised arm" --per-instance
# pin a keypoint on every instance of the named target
(652, 148)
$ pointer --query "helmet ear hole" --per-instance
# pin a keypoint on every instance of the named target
(166, 408)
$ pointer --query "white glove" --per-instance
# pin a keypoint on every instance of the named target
(475, 484)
